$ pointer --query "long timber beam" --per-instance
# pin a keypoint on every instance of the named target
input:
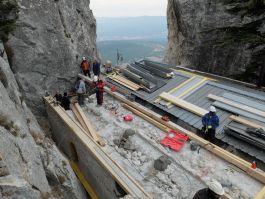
(99, 169)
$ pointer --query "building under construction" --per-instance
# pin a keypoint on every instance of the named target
(114, 158)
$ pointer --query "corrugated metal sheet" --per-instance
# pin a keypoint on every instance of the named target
(177, 80)
(246, 101)
(237, 111)
(241, 90)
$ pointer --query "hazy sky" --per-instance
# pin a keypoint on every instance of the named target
(118, 8)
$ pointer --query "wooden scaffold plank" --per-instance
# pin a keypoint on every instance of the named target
(183, 104)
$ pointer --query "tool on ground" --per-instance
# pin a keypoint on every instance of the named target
(128, 118)
(174, 140)
(254, 165)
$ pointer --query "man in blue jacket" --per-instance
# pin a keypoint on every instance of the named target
(210, 122)
(96, 68)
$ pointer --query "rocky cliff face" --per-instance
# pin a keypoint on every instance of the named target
(41, 44)
(30, 164)
(225, 37)
(46, 48)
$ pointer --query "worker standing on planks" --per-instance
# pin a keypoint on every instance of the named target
(81, 90)
(214, 191)
(85, 65)
(210, 122)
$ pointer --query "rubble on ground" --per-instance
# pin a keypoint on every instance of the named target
(135, 146)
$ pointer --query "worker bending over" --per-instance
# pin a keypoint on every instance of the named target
(65, 101)
(210, 122)
(85, 66)
(214, 191)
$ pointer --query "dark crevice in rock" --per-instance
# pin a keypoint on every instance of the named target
(10, 54)
(3, 78)
(66, 33)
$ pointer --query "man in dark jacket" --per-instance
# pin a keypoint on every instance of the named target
(96, 68)
(65, 102)
(215, 191)
(210, 122)
(58, 97)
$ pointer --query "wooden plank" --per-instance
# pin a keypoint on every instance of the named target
(229, 157)
(261, 194)
(183, 104)
(127, 81)
(83, 180)
(79, 119)
(117, 173)
(245, 122)
(89, 126)
(237, 105)
(124, 84)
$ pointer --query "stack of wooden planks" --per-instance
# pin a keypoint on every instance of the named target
(125, 82)
(86, 124)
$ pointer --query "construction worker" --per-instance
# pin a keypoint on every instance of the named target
(65, 102)
(81, 90)
(214, 191)
(210, 122)
(85, 66)
(96, 68)
(108, 67)
(58, 97)
(99, 92)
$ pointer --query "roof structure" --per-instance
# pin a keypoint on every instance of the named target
(195, 89)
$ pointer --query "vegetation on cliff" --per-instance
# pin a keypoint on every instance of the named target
(8, 15)
(248, 35)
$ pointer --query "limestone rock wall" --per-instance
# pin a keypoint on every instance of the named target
(224, 37)
(46, 48)
(30, 164)
(43, 43)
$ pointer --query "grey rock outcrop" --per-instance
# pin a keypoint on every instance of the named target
(47, 45)
(224, 37)
(30, 164)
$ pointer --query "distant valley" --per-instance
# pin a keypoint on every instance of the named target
(133, 37)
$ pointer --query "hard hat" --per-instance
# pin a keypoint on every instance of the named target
(84, 58)
(216, 187)
(108, 62)
(95, 78)
(212, 109)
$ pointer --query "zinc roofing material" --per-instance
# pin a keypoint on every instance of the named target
(198, 96)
